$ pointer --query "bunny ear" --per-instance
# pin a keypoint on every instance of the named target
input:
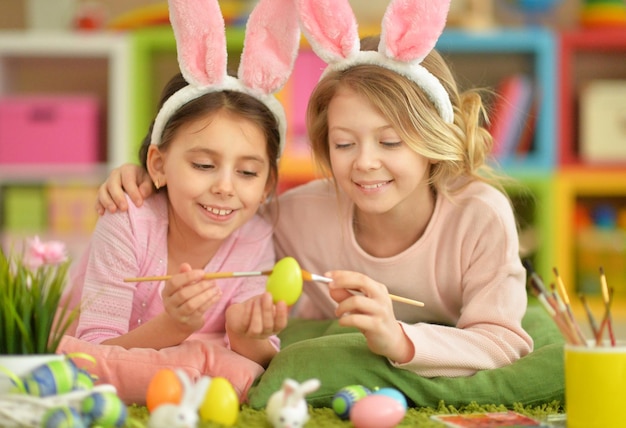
(289, 388)
(271, 45)
(330, 27)
(184, 379)
(309, 386)
(410, 28)
(195, 394)
(200, 40)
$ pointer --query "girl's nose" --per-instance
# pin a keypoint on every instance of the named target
(367, 158)
(223, 185)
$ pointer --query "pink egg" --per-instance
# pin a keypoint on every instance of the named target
(377, 411)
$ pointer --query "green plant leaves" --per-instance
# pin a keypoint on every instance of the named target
(29, 322)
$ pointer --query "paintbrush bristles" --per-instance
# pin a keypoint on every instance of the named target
(308, 276)
(556, 306)
(603, 285)
(562, 290)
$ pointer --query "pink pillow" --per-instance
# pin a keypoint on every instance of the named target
(130, 370)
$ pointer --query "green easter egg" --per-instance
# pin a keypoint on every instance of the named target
(285, 281)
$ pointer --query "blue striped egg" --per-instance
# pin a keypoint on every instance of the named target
(346, 397)
(62, 417)
(84, 381)
(104, 409)
(53, 378)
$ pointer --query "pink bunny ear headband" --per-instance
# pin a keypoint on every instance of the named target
(270, 48)
(410, 29)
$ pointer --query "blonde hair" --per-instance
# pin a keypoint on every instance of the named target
(458, 150)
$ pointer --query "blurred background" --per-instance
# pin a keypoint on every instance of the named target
(79, 80)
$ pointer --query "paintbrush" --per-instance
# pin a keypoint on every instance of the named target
(562, 314)
(536, 289)
(590, 317)
(537, 286)
(393, 297)
(607, 304)
(605, 319)
(308, 276)
(549, 303)
(209, 275)
(568, 308)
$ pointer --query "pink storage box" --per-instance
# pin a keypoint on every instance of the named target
(49, 129)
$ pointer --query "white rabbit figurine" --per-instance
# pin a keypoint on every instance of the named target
(287, 407)
(185, 413)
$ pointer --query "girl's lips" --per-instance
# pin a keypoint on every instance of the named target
(372, 186)
(218, 213)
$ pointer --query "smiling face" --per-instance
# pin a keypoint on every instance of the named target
(369, 160)
(216, 169)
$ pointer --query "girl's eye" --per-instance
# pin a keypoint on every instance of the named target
(249, 173)
(202, 166)
(391, 144)
(340, 146)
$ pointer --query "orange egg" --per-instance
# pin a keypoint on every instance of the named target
(164, 387)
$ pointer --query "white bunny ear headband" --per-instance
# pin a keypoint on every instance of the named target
(269, 52)
(409, 31)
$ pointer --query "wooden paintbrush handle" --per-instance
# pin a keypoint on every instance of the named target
(210, 275)
(406, 300)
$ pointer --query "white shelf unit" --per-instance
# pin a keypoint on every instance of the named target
(48, 63)
(112, 47)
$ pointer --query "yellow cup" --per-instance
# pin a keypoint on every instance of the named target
(595, 386)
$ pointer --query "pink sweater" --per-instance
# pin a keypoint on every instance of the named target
(134, 244)
(465, 267)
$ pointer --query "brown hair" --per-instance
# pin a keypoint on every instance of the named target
(457, 150)
(237, 103)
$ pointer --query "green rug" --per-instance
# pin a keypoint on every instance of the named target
(326, 418)
(533, 385)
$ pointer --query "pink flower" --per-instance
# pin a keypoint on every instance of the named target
(39, 253)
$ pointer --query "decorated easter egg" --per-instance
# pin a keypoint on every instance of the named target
(285, 281)
(104, 409)
(164, 387)
(221, 403)
(392, 393)
(84, 380)
(346, 397)
(62, 417)
(377, 411)
(53, 378)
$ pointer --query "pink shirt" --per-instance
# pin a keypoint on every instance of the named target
(134, 244)
(465, 268)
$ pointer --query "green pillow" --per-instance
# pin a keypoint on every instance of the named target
(338, 357)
